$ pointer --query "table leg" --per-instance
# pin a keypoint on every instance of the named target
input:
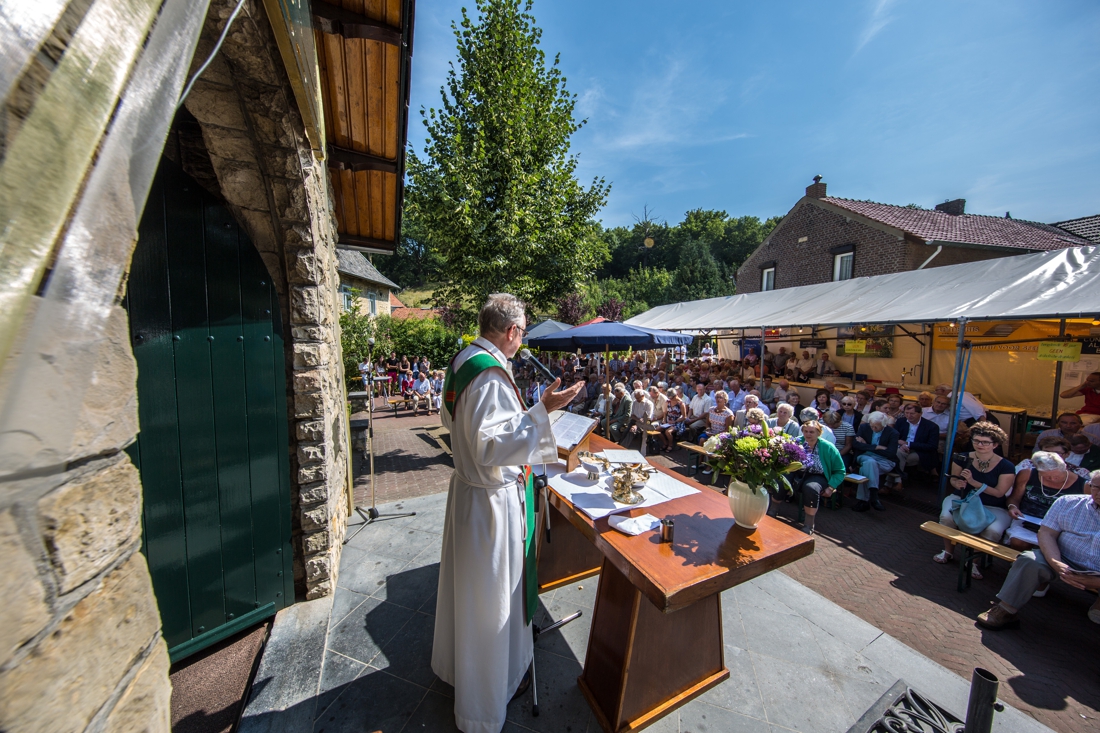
(641, 663)
(569, 556)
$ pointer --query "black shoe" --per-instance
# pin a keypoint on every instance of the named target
(861, 506)
(878, 505)
(524, 685)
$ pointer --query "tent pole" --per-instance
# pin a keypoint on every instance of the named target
(953, 411)
(763, 347)
(855, 366)
(1057, 379)
(607, 405)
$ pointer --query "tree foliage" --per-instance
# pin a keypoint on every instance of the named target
(411, 337)
(611, 309)
(496, 190)
(572, 309)
(699, 275)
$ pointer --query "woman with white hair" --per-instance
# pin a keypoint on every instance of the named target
(810, 414)
(876, 449)
(784, 421)
(1028, 503)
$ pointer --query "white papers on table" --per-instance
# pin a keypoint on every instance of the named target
(634, 526)
(624, 456)
(569, 428)
(594, 497)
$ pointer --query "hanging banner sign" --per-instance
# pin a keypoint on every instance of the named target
(878, 341)
(855, 346)
(1059, 351)
(979, 333)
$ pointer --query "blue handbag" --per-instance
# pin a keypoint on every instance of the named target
(970, 514)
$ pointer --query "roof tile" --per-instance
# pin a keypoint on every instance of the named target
(964, 228)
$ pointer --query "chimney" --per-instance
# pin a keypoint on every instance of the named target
(954, 208)
(816, 190)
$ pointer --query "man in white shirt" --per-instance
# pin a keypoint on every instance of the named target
(825, 366)
(970, 409)
(804, 367)
(699, 406)
(422, 393)
(707, 352)
(364, 373)
(641, 415)
(736, 395)
(937, 413)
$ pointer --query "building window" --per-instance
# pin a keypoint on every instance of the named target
(842, 266)
(347, 297)
(767, 279)
(373, 298)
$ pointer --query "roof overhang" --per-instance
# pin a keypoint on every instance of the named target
(365, 53)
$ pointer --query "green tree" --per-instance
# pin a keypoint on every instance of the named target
(355, 330)
(699, 275)
(415, 262)
(496, 188)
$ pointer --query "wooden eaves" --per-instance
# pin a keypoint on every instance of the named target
(365, 52)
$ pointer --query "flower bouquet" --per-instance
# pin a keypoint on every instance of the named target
(754, 458)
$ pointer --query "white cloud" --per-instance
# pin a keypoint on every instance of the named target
(880, 18)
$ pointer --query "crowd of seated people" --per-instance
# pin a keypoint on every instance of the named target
(1044, 506)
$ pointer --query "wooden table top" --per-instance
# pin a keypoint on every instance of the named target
(709, 553)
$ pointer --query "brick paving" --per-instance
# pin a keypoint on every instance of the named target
(408, 460)
(878, 566)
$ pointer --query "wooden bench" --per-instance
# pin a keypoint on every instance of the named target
(395, 401)
(700, 454)
(972, 546)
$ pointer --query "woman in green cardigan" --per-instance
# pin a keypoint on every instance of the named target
(821, 477)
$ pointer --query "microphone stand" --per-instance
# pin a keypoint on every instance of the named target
(371, 515)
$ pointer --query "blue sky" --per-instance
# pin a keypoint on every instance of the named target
(725, 104)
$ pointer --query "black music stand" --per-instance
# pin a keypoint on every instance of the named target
(371, 515)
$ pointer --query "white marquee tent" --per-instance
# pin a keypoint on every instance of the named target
(1061, 284)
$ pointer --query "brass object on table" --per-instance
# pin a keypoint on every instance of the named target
(626, 480)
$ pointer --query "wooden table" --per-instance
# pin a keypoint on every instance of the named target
(656, 636)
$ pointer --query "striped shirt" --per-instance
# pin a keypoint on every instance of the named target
(1077, 519)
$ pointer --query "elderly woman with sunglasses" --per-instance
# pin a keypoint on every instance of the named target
(981, 467)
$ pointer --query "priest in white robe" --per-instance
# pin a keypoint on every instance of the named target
(483, 644)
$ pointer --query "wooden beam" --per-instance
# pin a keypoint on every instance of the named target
(337, 21)
(353, 160)
(369, 245)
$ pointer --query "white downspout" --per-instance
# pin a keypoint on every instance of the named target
(939, 248)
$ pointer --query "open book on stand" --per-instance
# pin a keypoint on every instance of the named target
(571, 433)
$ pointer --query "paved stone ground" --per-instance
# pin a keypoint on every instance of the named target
(878, 566)
(408, 461)
(360, 660)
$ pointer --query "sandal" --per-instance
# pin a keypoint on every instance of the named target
(943, 557)
(975, 573)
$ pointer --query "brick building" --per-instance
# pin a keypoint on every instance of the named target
(824, 238)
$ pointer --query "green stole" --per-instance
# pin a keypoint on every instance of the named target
(454, 384)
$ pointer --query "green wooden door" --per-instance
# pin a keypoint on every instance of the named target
(212, 451)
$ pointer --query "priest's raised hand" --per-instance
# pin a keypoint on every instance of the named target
(552, 400)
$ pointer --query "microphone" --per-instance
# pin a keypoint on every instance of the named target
(528, 357)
